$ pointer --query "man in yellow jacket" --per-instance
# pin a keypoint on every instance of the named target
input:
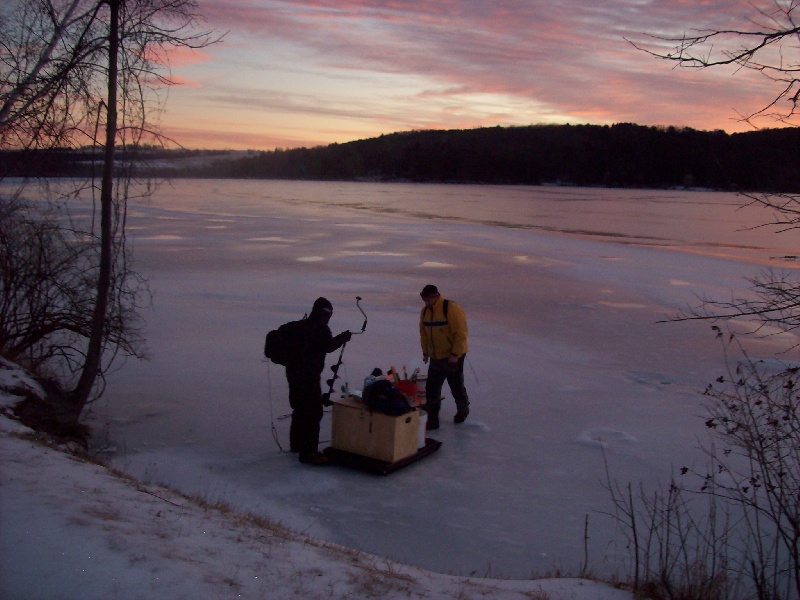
(443, 335)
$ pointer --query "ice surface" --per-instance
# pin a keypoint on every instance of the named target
(568, 366)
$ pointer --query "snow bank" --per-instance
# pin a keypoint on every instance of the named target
(70, 528)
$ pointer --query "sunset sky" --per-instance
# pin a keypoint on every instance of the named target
(292, 73)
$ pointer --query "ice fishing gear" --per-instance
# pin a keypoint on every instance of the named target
(384, 397)
(286, 343)
(273, 429)
(364, 326)
(326, 397)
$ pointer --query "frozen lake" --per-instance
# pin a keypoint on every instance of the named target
(563, 288)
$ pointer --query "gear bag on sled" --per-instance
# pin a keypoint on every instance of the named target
(286, 344)
(383, 397)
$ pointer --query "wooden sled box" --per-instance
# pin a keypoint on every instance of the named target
(358, 430)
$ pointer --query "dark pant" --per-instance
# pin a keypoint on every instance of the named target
(305, 398)
(439, 371)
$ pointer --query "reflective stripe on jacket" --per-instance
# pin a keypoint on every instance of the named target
(440, 335)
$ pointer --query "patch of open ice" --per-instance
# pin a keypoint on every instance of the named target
(362, 243)
(624, 305)
(281, 240)
(372, 253)
(436, 265)
(569, 388)
(311, 259)
(603, 437)
(474, 426)
(649, 378)
(539, 261)
(761, 330)
(778, 365)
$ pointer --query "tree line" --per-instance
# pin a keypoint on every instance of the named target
(621, 155)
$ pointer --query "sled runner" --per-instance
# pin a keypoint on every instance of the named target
(375, 465)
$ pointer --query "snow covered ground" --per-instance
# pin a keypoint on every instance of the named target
(568, 368)
(72, 529)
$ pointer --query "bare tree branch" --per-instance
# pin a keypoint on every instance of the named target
(82, 73)
(768, 45)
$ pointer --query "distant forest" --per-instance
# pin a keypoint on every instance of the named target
(623, 155)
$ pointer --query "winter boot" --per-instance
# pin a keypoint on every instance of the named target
(461, 415)
(433, 422)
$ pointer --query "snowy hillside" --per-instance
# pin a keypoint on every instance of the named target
(70, 528)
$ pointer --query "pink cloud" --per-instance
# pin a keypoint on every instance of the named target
(572, 59)
(185, 57)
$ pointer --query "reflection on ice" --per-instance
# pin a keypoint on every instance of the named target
(273, 238)
(372, 253)
(623, 305)
(768, 335)
(435, 265)
(565, 346)
(605, 438)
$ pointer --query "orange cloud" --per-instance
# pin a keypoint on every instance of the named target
(380, 66)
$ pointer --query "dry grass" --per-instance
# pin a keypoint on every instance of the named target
(361, 575)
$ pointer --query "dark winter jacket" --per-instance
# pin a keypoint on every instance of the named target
(317, 343)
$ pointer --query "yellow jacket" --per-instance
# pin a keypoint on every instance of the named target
(442, 336)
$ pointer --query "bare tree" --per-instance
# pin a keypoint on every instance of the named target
(84, 73)
(97, 331)
(43, 284)
(47, 288)
(766, 44)
(729, 528)
(743, 540)
(45, 50)
(754, 418)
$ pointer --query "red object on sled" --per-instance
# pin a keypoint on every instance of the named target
(408, 388)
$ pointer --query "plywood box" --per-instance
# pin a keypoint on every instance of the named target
(359, 430)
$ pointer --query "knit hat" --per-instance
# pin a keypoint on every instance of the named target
(322, 305)
(429, 290)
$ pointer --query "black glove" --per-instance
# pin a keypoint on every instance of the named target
(345, 336)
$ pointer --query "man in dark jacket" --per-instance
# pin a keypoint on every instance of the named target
(303, 375)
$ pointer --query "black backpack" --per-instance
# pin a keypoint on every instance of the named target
(287, 343)
(445, 306)
(383, 397)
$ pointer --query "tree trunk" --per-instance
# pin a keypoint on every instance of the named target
(94, 351)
